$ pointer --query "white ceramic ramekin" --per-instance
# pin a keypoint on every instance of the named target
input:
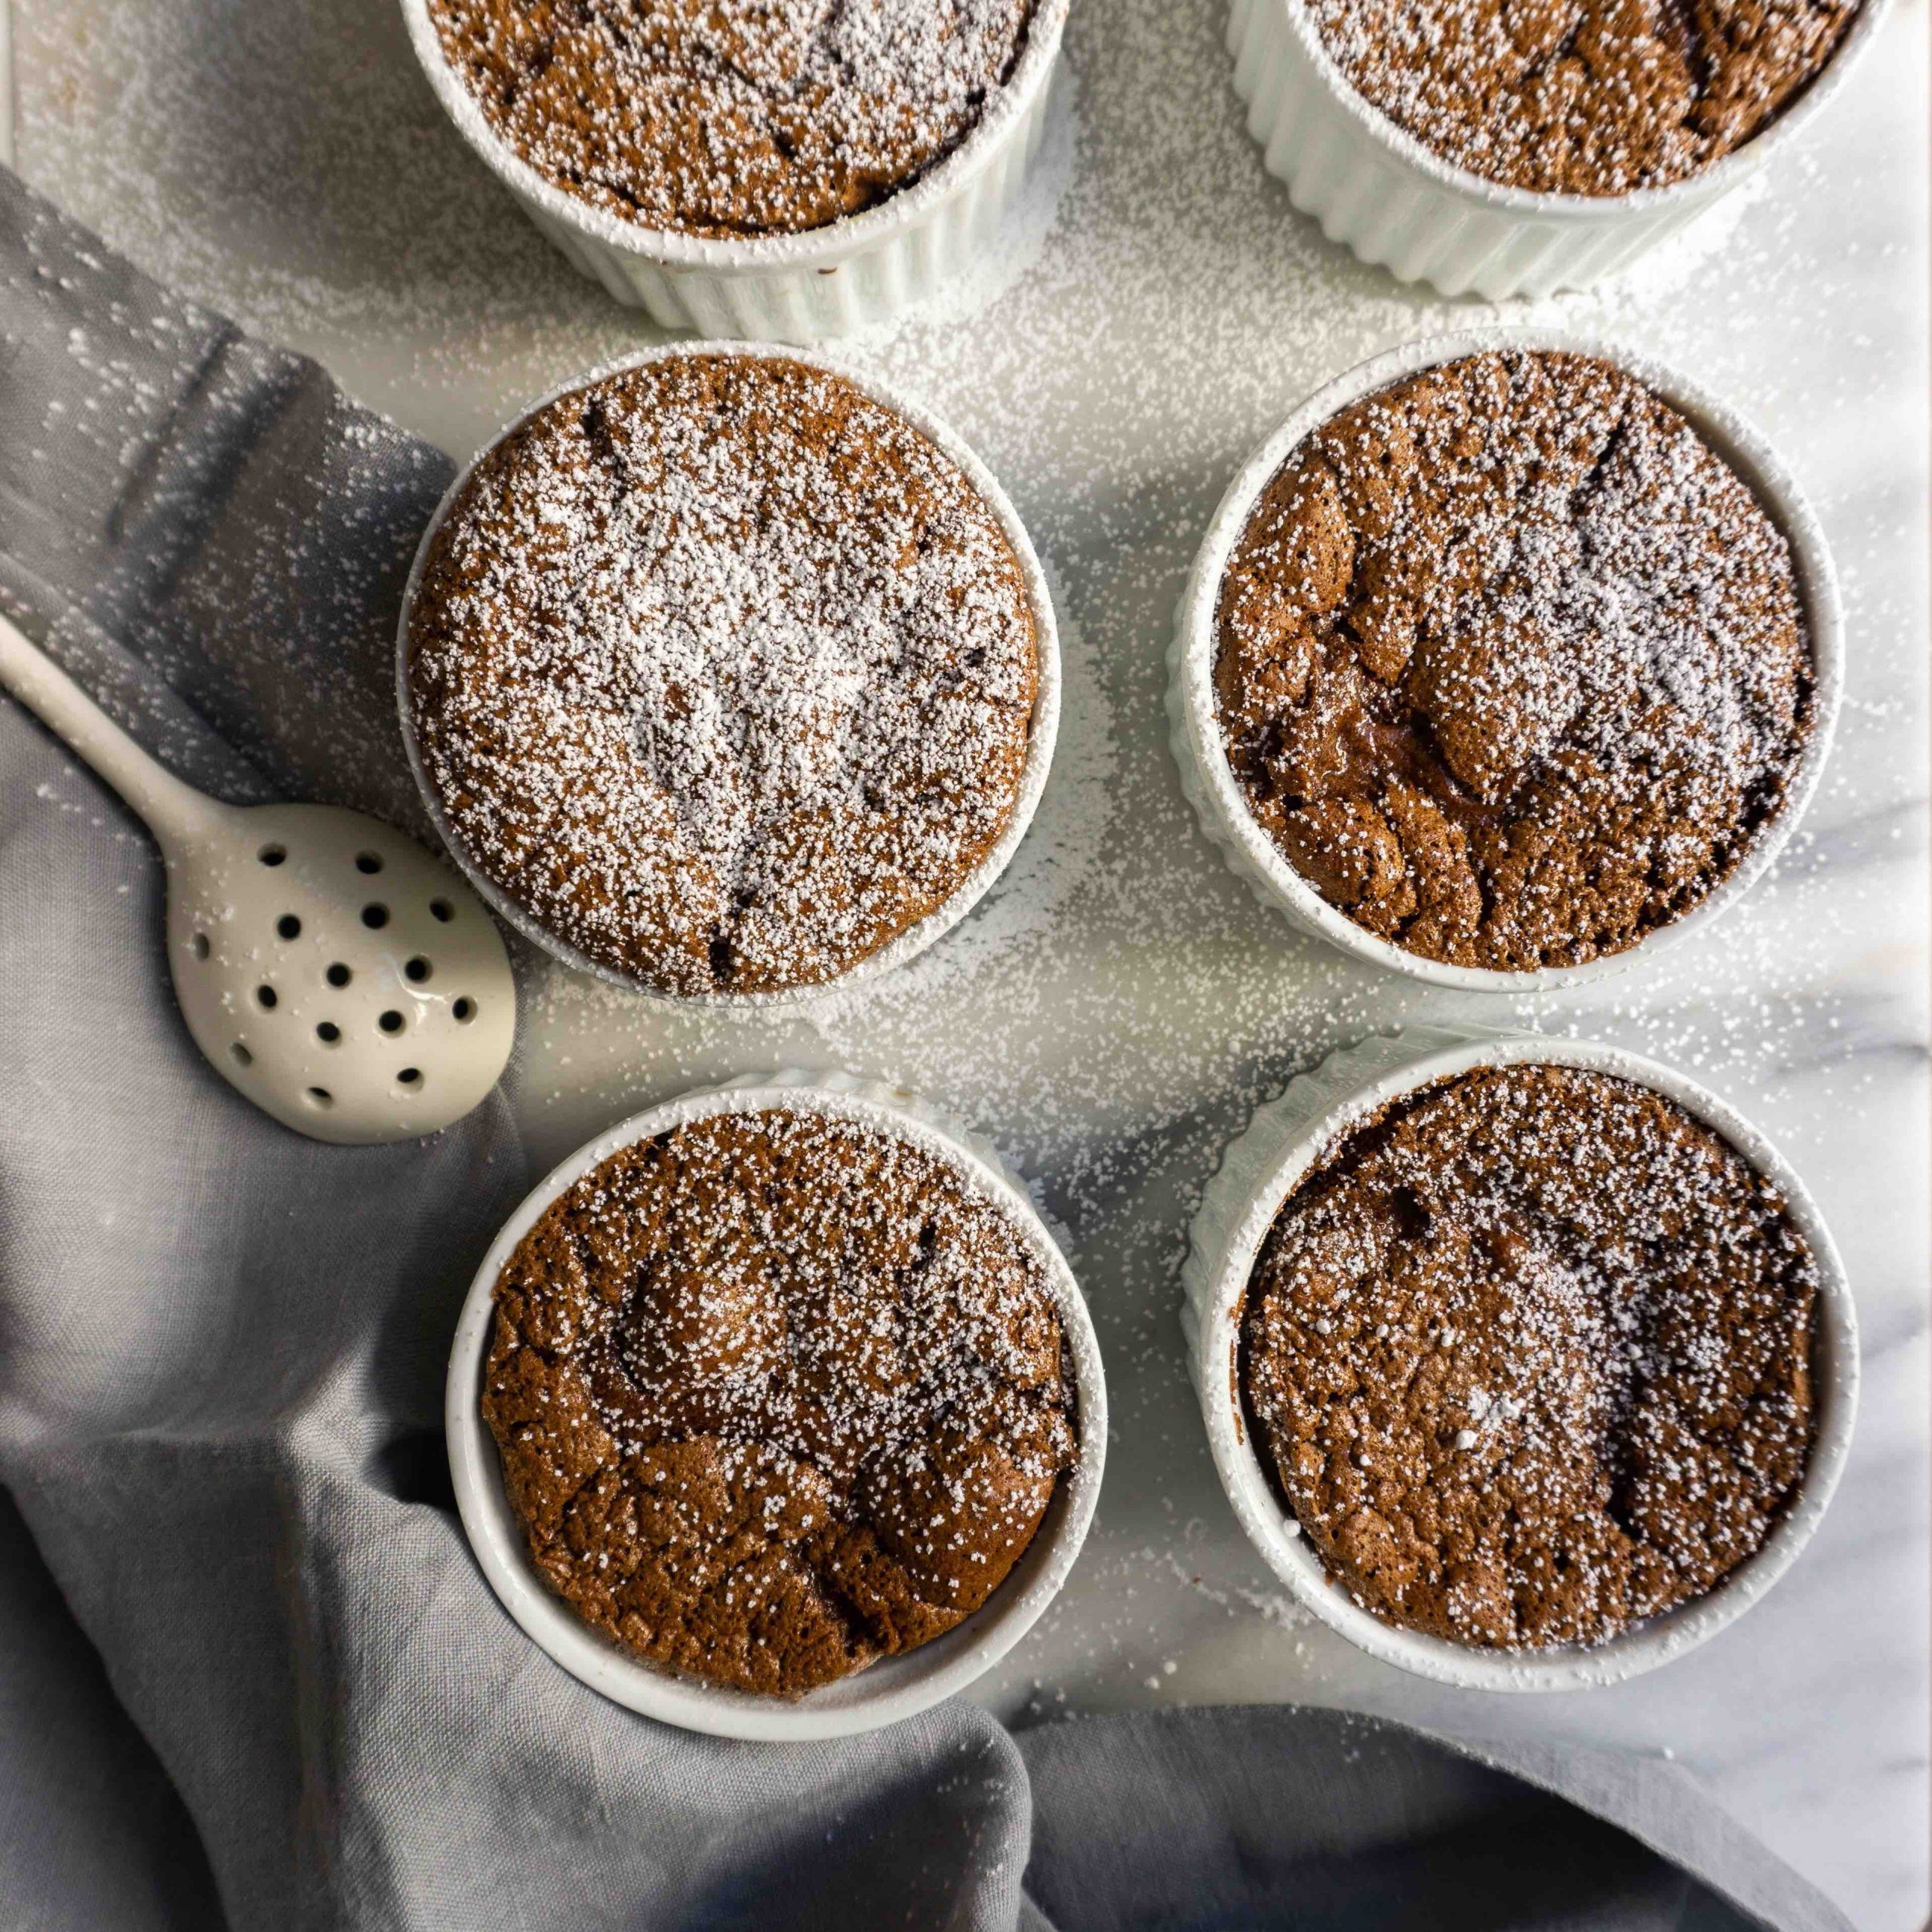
(1194, 730)
(1263, 1167)
(854, 274)
(1033, 772)
(893, 1687)
(1377, 189)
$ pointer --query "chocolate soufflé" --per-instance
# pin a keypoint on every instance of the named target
(723, 673)
(1511, 665)
(1528, 1355)
(738, 118)
(1589, 97)
(777, 1394)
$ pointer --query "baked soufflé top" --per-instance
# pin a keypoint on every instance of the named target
(723, 672)
(776, 1394)
(733, 118)
(1595, 97)
(1511, 666)
(1529, 1355)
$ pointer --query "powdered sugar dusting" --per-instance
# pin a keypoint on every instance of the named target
(1581, 97)
(777, 1394)
(1512, 665)
(739, 117)
(1531, 1353)
(723, 673)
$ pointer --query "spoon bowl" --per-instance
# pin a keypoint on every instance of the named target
(335, 974)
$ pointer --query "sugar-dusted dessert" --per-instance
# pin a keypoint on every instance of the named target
(723, 673)
(776, 1394)
(1582, 97)
(737, 117)
(1511, 665)
(1529, 1355)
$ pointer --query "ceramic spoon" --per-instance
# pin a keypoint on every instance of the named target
(332, 972)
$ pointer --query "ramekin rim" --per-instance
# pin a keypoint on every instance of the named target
(863, 1701)
(1735, 440)
(1042, 735)
(1219, 1294)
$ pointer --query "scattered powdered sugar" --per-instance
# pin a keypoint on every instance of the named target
(1672, 271)
(723, 672)
(740, 117)
(1272, 1607)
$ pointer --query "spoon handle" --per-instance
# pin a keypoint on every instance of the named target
(173, 812)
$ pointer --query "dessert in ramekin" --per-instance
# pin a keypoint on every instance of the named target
(1511, 151)
(1508, 659)
(1526, 1363)
(775, 1412)
(740, 170)
(729, 675)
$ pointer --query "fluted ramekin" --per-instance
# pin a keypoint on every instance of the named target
(1284, 1141)
(1382, 193)
(1042, 732)
(1194, 731)
(856, 273)
(893, 1688)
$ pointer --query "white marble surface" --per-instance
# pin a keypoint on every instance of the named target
(1110, 1012)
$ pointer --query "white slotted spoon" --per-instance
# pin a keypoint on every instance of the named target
(332, 972)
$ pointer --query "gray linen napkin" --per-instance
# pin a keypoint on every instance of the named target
(248, 1671)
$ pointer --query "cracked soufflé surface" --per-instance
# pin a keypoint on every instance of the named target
(776, 1394)
(1593, 97)
(734, 117)
(1529, 1355)
(723, 672)
(1511, 665)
